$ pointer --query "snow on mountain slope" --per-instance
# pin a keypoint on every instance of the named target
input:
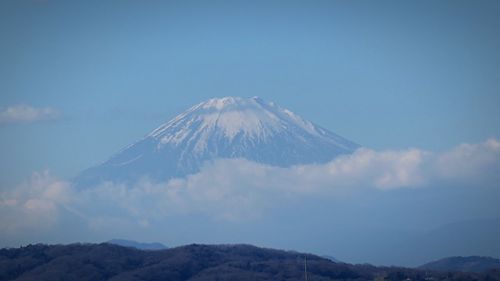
(229, 127)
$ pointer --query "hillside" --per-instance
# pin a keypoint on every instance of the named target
(192, 262)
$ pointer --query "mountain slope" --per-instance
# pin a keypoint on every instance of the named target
(464, 264)
(193, 262)
(229, 127)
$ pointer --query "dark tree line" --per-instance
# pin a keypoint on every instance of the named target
(195, 262)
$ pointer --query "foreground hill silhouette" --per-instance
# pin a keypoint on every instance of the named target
(193, 262)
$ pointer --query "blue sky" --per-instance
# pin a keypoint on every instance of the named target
(385, 74)
(79, 80)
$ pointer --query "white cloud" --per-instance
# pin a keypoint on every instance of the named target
(27, 114)
(238, 189)
(34, 204)
(470, 162)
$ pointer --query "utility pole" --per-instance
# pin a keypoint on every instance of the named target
(305, 267)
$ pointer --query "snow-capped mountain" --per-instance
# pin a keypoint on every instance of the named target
(230, 127)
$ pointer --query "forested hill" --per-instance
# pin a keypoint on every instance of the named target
(193, 262)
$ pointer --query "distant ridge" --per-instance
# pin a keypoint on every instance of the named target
(137, 245)
(463, 264)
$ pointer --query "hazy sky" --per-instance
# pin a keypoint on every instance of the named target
(79, 80)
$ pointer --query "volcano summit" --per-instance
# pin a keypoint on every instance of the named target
(229, 127)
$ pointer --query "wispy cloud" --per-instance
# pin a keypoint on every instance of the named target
(27, 114)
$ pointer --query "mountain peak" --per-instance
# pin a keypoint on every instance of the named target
(230, 117)
(227, 117)
(229, 102)
(228, 127)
